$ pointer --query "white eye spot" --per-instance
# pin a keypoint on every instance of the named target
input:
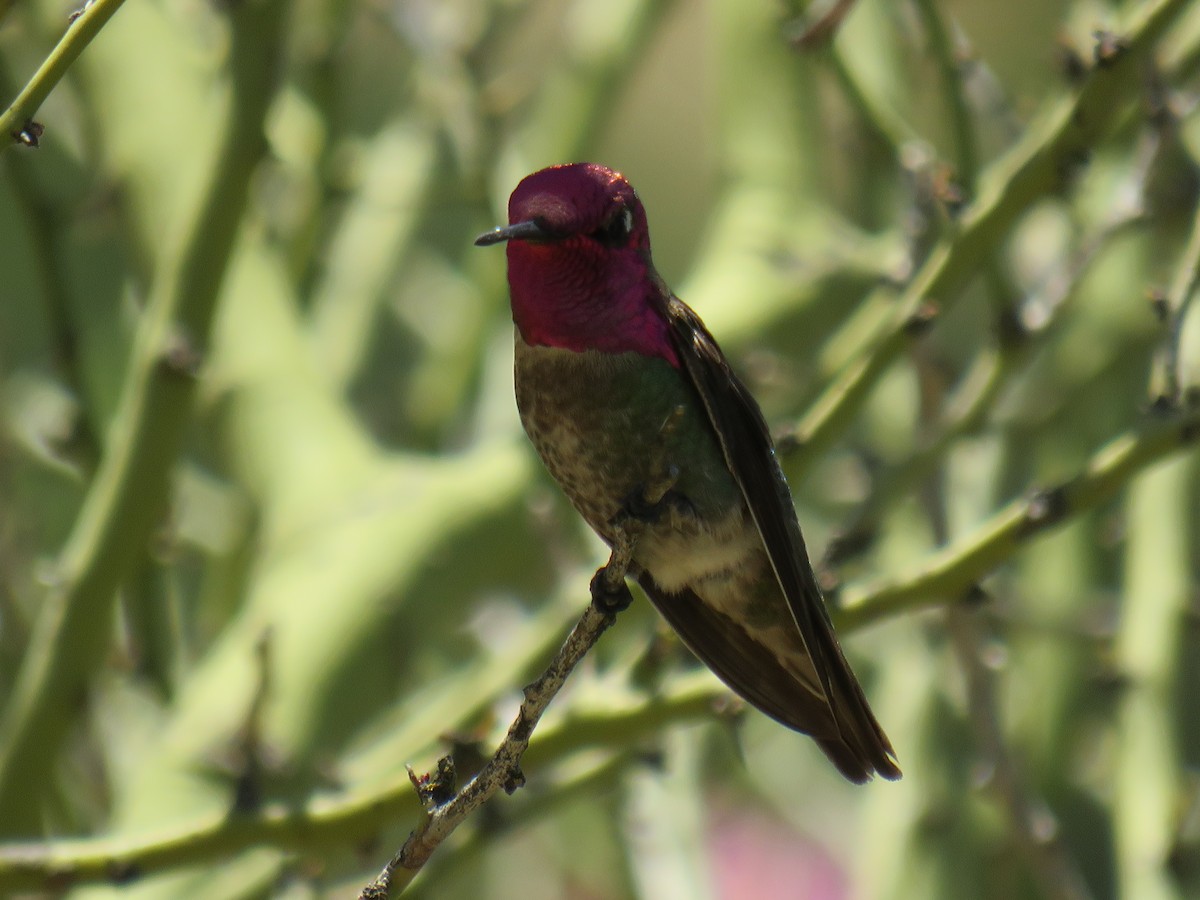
(627, 220)
(616, 228)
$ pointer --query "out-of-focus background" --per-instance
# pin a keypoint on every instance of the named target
(269, 529)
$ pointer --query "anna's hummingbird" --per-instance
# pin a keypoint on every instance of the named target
(619, 382)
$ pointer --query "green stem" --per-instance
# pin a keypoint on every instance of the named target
(130, 491)
(975, 397)
(79, 34)
(1148, 764)
(877, 113)
(951, 572)
(967, 411)
(1034, 168)
(966, 150)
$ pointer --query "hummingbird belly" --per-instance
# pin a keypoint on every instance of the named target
(606, 425)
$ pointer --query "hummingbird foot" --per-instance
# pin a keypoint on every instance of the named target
(645, 503)
(609, 596)
(610, 593)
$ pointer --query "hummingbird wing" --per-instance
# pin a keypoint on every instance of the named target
(739, 660)
(841, 721)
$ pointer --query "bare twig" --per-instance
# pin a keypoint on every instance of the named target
(503, 770)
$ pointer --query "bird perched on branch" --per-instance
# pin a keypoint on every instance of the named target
(637, 415)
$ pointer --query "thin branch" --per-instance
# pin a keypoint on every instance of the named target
(948, 60)
(876, 111)
(17, 121)
(503, 770)
(577, 784)
(1153, 653)
(953, 193)
(1031, 825)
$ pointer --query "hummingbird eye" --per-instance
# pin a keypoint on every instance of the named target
(614, 232)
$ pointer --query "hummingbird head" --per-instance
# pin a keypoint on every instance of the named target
(579, 269)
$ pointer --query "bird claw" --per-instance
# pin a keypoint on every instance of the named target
(610, 594)
(608, 597)
(654, 492)
(646, 502)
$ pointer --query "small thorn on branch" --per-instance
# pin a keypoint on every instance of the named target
(1013, 333)
(975, 596)
(74, 16)
(922, 320)
(122, 873)
(609, 594)
(30, 134)
(1071, 62)
(1159, 304)
(1045, 508)
(437, 788)
(515, 780)
(1109, 48)
(181, 357)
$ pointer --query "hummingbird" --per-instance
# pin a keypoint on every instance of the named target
(620, 386)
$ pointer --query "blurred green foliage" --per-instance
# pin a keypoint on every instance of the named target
(269, 531)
